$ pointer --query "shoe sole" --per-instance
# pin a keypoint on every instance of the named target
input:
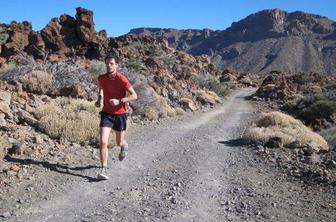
(101, 177)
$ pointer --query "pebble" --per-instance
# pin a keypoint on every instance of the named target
(173, 200)
(5, 214)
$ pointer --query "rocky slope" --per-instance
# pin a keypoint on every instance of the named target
(264, 41)
(65, 53)
(183, 40)
(61, 37)
(168, 82)
(310, 98)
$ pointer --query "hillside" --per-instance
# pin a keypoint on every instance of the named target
(264, 41)
(188, 159)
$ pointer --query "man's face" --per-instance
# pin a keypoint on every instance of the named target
(111, 65)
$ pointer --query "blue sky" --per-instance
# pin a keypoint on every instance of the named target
(118, 17)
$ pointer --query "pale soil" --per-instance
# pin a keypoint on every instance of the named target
(189, 168)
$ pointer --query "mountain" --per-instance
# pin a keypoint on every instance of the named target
(261, 42)
(179, 39)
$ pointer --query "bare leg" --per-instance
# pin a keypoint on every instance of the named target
(104, 136)
(120, 139)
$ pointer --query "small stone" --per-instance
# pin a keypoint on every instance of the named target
(173, 200)
(5, 214)
(331, 164)
(15, 168)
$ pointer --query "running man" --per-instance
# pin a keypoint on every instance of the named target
(113, 87)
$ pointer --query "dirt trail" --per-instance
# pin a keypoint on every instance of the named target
(189, 168)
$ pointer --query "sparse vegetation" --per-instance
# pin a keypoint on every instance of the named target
(212, 83)
(310, 109)
(179, 111)
(277, 124)
(63, 75)
(330, 136)
(96, 68)
(165, 109)
(37, 81)
(135, 64)
(168, 60)
(147, 48)
(72, 119)
(151, 114)
(147, 97)
(206, 97)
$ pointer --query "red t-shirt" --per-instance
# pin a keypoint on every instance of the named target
(114, 88)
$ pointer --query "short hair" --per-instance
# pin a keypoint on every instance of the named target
(112, 56)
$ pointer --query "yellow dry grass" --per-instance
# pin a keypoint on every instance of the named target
(72, 119)
(165, 108)
(37, 81)
(277, 124)
(206, 96)
(151, 114)
(179, 111)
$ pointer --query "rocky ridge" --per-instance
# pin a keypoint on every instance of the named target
(292, 42)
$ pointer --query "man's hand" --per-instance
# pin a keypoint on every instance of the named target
(115, 102)
(98, 103)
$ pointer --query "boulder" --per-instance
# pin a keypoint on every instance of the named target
(85, 26)
(18, 38)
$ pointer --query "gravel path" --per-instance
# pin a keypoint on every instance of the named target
(188, 168)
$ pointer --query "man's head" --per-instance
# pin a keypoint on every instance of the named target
(111, 63)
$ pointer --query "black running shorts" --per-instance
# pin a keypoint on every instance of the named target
(118, 122)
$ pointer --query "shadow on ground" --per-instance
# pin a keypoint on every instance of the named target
(54, 167)
(233, 142)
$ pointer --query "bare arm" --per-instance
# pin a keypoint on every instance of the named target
(100, 96)
(132, 96)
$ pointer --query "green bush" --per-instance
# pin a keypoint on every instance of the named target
(212, 83)
(323, 108)
(135, 64)
(310, 108)
(330, 136)
(168, 60)
(147, 48)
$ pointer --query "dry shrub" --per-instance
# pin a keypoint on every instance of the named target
(276, 124)
(147, 97)
(151, 114)
(97, 68)
(72, 119)
(165, 108)
(210, 82)
(179, 111)
(187, 103)
(64, 74)
(36, 81)
(8, 67)
(206, 96)
(278, 119)
(4, 142)
(214, 95)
